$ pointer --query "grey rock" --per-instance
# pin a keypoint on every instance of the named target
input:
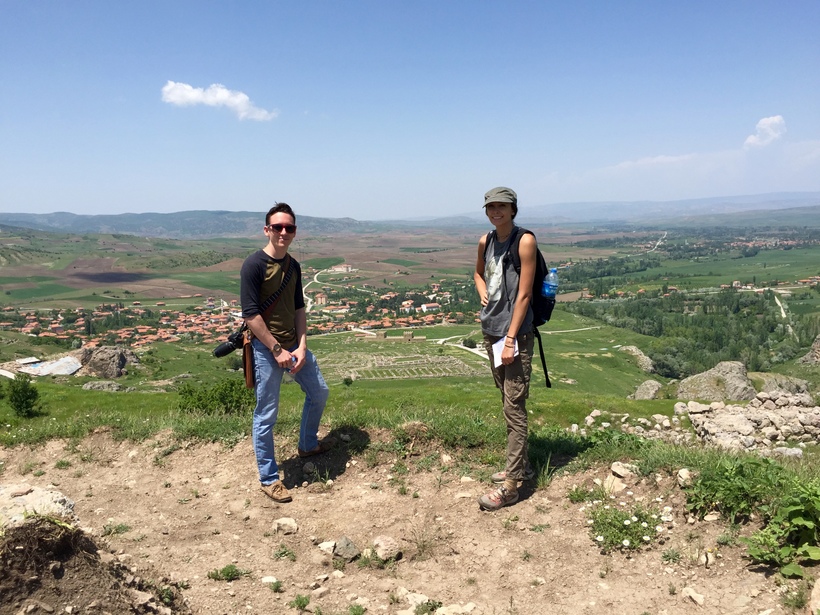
(812, 357)
(772, 382)
(727, 380)
(106, 361)
(346, 549)
(644, 362)
(102, 385)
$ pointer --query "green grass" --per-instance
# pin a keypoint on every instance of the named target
(322, 263)
(44, 289)
(401, 262)
(711, 272)
(447, 387)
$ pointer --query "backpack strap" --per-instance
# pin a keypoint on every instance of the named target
(487, 238)
(543, 360)
(516, 259)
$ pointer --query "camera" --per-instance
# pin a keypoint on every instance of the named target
(235, 342)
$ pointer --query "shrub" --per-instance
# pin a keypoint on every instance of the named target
(468, 342)
(229, 396)
(792, 534)
(23, 396)
(736, 487)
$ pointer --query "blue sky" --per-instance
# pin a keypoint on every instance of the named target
(376, 110)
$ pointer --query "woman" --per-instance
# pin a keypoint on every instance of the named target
(506, 322)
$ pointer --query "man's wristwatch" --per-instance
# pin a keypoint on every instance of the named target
(276, 348)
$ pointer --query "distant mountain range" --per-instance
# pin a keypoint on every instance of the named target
(791, 209)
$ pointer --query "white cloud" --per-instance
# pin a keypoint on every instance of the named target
(184, 95)
(768, 129)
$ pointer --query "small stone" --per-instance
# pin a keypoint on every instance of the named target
(386, 548)
(327, 546)
(346, 549)
(286, 525)
(319, 592)
(623, 470)
(690, 593)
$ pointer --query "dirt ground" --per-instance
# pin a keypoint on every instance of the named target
(166, 516)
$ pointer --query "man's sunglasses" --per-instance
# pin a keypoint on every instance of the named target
(288, 228)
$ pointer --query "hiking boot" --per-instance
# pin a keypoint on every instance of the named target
(277, 492)
(325, 444)
(499, 498)
(500, 477)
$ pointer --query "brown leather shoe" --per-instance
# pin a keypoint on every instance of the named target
(325, 444)
(277, 492)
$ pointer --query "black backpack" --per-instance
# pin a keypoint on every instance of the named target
(541, 306)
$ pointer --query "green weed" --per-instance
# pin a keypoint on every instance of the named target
(300, 602)
(284, 552)
(112, 529)
(228, 573)
(671, 556)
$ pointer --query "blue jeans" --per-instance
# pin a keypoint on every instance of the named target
(268, 382)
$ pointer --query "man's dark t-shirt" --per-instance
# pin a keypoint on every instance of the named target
(260, 277)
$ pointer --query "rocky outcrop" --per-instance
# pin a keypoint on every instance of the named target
(102, 385)
(644, 362)
(812, 357)
(767, 381)
(724, 382)
(647, 390)
(770, 419)
(106, 361)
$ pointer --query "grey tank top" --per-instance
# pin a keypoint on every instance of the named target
(502, 289)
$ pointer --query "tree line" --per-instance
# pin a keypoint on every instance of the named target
(695, 331)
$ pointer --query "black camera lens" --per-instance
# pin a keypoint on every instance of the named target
(224, 349)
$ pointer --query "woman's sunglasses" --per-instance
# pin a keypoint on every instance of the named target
(288, 228)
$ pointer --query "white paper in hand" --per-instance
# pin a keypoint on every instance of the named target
(498, 348)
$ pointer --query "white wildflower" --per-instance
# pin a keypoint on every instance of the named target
(627, 522)
(625, 543)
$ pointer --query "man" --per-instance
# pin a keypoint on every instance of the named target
(273, 307)
(506, 322)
